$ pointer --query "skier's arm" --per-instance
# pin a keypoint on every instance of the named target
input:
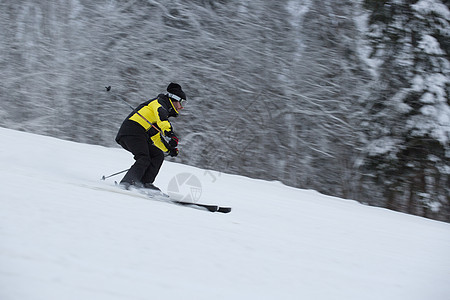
(166, 129)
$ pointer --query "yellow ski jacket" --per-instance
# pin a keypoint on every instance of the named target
(148, 115)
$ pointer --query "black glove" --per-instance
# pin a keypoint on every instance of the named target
(173, 142)
(173, 152)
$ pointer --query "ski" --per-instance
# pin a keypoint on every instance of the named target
(160, 196)
(208, 207)
(201, 206)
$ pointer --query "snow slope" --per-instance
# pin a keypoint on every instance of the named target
(64, 236)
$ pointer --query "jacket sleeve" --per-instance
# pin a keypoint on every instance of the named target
(157, 140)
(164, 125)
(163, 120)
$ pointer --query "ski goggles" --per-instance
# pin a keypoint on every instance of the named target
(176, 98)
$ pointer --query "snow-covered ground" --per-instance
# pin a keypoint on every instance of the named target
(64, 236)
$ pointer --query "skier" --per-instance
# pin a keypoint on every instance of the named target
(148, 134)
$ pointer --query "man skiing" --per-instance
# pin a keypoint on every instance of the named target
(148, 134)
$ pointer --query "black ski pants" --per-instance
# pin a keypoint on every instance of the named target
(149, 159)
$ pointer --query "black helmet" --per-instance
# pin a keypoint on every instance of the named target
(175, 92)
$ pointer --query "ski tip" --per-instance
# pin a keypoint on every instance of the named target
(224, 210)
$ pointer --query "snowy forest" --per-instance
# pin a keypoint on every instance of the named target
(349, 98)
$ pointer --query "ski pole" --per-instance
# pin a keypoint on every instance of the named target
(104, 177)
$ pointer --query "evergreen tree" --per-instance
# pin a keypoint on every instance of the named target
(409, 125)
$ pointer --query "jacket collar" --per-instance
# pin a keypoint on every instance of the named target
(165, 101)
